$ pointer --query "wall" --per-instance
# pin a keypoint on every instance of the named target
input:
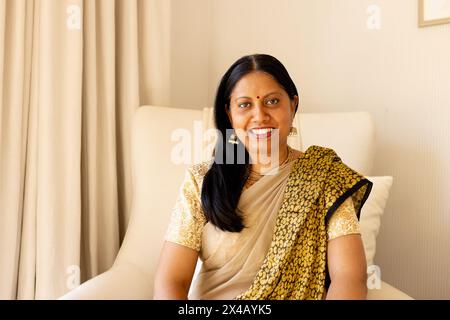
(190, 53)
(399, 73)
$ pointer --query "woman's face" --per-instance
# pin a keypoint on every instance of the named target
(258, 101)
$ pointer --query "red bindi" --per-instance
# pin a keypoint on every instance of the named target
(257, 97)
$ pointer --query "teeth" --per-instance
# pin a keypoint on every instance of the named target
(262, 131)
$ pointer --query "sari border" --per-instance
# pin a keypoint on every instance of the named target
(348, 193)
(336, 205)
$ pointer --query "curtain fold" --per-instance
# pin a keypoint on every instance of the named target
(72, 73)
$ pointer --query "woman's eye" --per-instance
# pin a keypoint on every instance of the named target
(272, 101)
(243, 105)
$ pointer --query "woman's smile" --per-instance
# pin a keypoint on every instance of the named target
(260, 133)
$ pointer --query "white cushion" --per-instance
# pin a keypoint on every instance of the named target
(371, 213)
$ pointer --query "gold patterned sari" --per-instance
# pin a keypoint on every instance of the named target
(289, 217)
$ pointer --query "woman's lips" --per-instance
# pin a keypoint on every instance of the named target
(263, 133)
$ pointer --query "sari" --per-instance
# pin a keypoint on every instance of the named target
(281, 254)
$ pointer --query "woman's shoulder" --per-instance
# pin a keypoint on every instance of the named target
(317, 155)
(199, 170)
(325, 161)
(322, 151)
(319, 164)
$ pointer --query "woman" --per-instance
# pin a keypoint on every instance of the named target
(282, 228)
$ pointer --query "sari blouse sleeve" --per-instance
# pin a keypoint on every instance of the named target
(343, 221)
(345, 192)
(187, 218)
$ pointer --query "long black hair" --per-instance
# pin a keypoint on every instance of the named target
(223, 183)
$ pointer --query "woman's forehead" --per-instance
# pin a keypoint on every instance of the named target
(257, 84)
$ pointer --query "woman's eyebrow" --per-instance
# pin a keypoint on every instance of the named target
(263, 97)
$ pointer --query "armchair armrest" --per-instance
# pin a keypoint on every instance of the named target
(122, 282)
(387, 292)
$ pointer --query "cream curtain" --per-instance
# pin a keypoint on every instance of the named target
(72, 73)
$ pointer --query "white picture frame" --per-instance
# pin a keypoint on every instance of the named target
(433, 12)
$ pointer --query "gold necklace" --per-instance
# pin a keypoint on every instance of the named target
(254, 176)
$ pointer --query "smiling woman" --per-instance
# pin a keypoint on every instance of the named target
(289, 231)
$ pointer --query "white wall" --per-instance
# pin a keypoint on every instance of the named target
(400, 74)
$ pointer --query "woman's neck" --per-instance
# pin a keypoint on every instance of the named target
(259, 168)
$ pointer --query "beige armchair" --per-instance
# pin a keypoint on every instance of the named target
(156, 180)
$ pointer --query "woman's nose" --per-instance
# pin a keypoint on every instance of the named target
(260, 113)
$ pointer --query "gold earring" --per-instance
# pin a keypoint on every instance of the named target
(293, 132)
(233, 138)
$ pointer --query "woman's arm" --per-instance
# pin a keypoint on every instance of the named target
(347, 268)
(174, 273)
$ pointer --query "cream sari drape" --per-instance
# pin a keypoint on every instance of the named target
(232, 259)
